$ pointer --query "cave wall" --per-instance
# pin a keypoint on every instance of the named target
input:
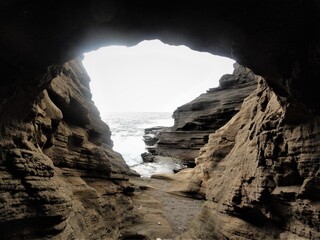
(49, 173)
(59, 173)
(259, 174)
(278, 40)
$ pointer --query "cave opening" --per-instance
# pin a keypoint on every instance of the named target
(139, 87)
(59, 174)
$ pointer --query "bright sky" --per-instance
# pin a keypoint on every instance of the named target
(151, 76)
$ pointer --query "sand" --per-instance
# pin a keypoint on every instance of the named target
(164, 215)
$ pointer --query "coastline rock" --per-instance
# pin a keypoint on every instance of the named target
(152, 135)
(255, 172)
(194, 121)
(147, 157)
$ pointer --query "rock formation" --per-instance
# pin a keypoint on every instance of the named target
(259, 174)
(194, 121)
(60, 179)
(59, 173)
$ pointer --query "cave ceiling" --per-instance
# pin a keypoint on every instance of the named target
(276, 39)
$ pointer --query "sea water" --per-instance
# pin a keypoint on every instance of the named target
(127, 129)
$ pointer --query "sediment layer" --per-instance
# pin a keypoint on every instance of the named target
(194, 121)
(259, 172)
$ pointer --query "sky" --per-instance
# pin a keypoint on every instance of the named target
(151, 76)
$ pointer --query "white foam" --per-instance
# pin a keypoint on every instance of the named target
(165, 165)
(127, 134)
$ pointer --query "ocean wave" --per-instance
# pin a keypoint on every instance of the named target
(127, 131)
(161, 165)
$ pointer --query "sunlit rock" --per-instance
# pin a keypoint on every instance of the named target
(194, 121)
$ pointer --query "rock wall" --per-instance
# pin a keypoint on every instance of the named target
(259, 174)
(194, 121)
(59, 175)
(277, 177)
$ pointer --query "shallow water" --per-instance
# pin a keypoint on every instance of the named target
(127, 135)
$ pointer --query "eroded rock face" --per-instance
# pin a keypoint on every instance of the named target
(260, 175)
(59, 175)
(194, 121)
(274, 174)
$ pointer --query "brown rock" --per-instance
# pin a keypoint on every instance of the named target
(255, 175)
(194, 121)
(46, 157)
(278, 40)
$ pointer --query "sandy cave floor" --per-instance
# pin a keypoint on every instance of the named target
(166, 215)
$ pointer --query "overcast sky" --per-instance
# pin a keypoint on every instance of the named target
(151, 77)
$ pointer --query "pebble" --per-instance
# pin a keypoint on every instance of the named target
(159, 223)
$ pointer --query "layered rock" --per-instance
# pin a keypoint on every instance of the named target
(194, 121)
(49, 162)
(259, 174)
(279, 40)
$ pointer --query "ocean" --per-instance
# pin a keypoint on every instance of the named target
(127, 130)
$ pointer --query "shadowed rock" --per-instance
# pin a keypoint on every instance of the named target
(48, 158)
(260, 171)
(254, 173)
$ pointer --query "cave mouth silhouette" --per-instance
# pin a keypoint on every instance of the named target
(141, 86)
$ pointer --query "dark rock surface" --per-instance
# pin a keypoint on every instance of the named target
(277, 177)
(147, 157)
(48, 162)
(194, 121)
(278, 40)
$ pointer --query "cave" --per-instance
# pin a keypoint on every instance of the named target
(57, 162)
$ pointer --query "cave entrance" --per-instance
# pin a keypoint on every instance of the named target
(139, 87)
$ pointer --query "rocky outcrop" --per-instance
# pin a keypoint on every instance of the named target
(59, 173)
(259, 174)
(194, 121)
(279, 40)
